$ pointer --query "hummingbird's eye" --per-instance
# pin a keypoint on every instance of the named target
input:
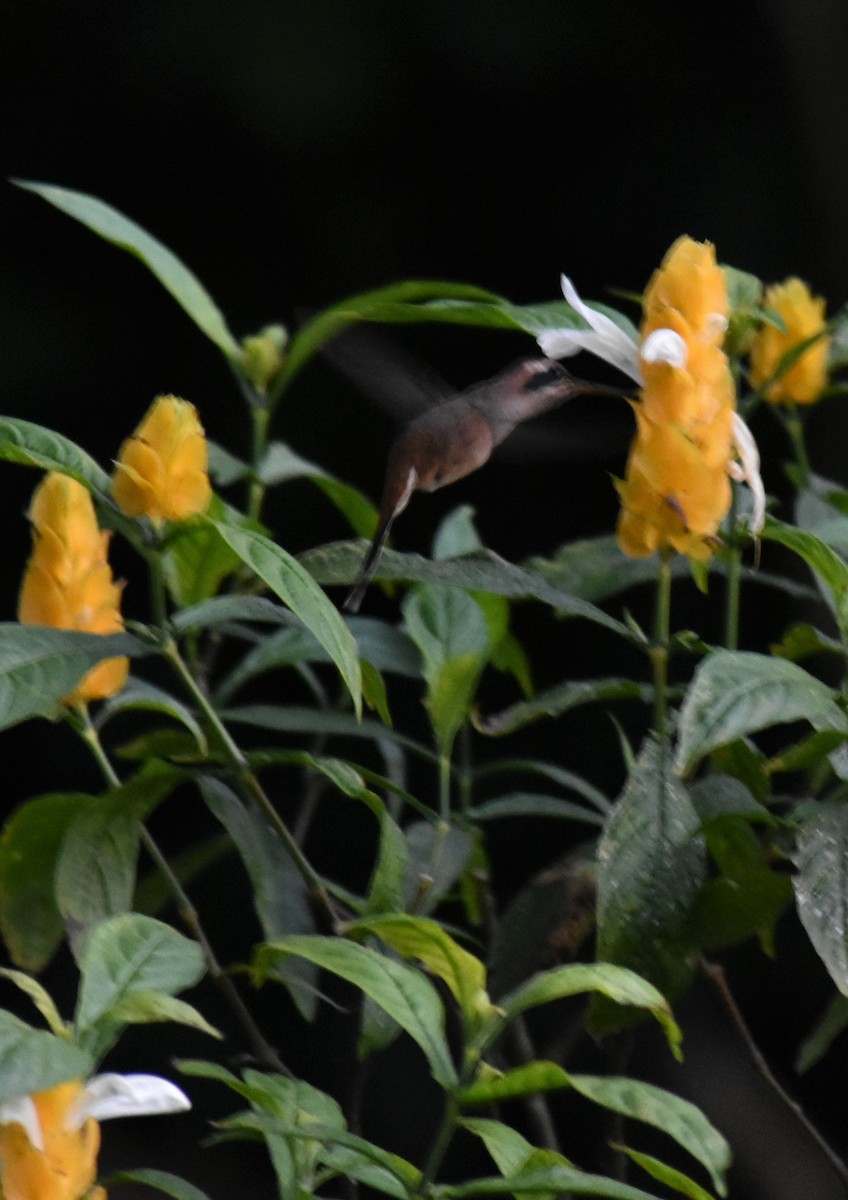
(545, 375)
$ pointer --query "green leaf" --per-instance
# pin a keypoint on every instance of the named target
(298, 719)
(532, 804)
(281, 464)
(552, 1180)
(817, 1043)
(34, 1060)
(40, 997)
(427, 941)
(663, 1173)
(30, 920)
(821, 886)
(596, 569)
(34, 446)
(619, 984)
(279, 892)
(560, 699)
(142, 1007)
(655, 1106)
(296, 588)
(139, 694)
(401, 991)
(450, 630)
(507, 1146)
(734, 693)
(828, 566)
(485, 571)
(526, 1080)
(40, 666)
(401, 299)
(651, 865)
(162, 1181)
(176, 278)
(130, 953)
(196, 559)
(219, 610)
(96, 867)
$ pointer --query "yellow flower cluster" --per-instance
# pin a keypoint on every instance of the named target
(68, 582)
(677, 490)
(66, 1166)
(803, 315)
(161, 472)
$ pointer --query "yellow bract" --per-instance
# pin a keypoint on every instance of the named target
(677, 492)
(68, 582)
(66, 1167)
(803, 315)
(161, 471)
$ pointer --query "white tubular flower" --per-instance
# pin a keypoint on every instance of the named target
(603, 337)
(106, 1096)
(664, 345)
(747, 470)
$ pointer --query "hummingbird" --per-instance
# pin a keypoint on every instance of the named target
(457, 436)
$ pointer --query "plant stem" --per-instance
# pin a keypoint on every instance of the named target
(659, 648)
(444, 1135)
(265, 1054)
(256, 495)
(733, 588)
(716, 974)
(444, 786)
(248, 781)
(795, 429)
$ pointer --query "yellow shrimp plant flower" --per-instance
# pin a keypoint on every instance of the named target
(68, 582)
(161, 470)
(688, 434)
(803, 315)
(49, 1141)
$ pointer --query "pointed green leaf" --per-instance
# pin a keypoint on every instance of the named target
(526, 804)
(553, 1180)
(138, 694)
(174, 276)
(219, 610)
(162, 1181)
(525, 1080)
(651, 865)
(196, 560)
(817, 1043)
(281, 463)
(279, 892)
(450, 630)
(40, 997)
(663, 1173)
(734, 693)
(96, 867)
(619, 984)
(679, 1118)
(339, 562)
(140, 1007)
(821, 886)
(509, 1149)
(34, 446)
(34, 1060)
(40, 666)
(296, 588)
(426, 940)
(827, 564)
(405, 994)
(560, 699)
(30, 920)
(131, 953)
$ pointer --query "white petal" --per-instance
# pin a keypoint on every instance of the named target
(749, 456)
(603, 338)
(717, 322)
(22, 1111)
(107, 1096)
(664, 345)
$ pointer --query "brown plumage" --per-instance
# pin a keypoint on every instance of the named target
(454, 438)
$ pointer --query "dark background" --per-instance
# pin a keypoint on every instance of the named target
(294, 153)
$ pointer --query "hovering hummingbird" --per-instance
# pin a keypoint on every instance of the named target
(455, 437)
